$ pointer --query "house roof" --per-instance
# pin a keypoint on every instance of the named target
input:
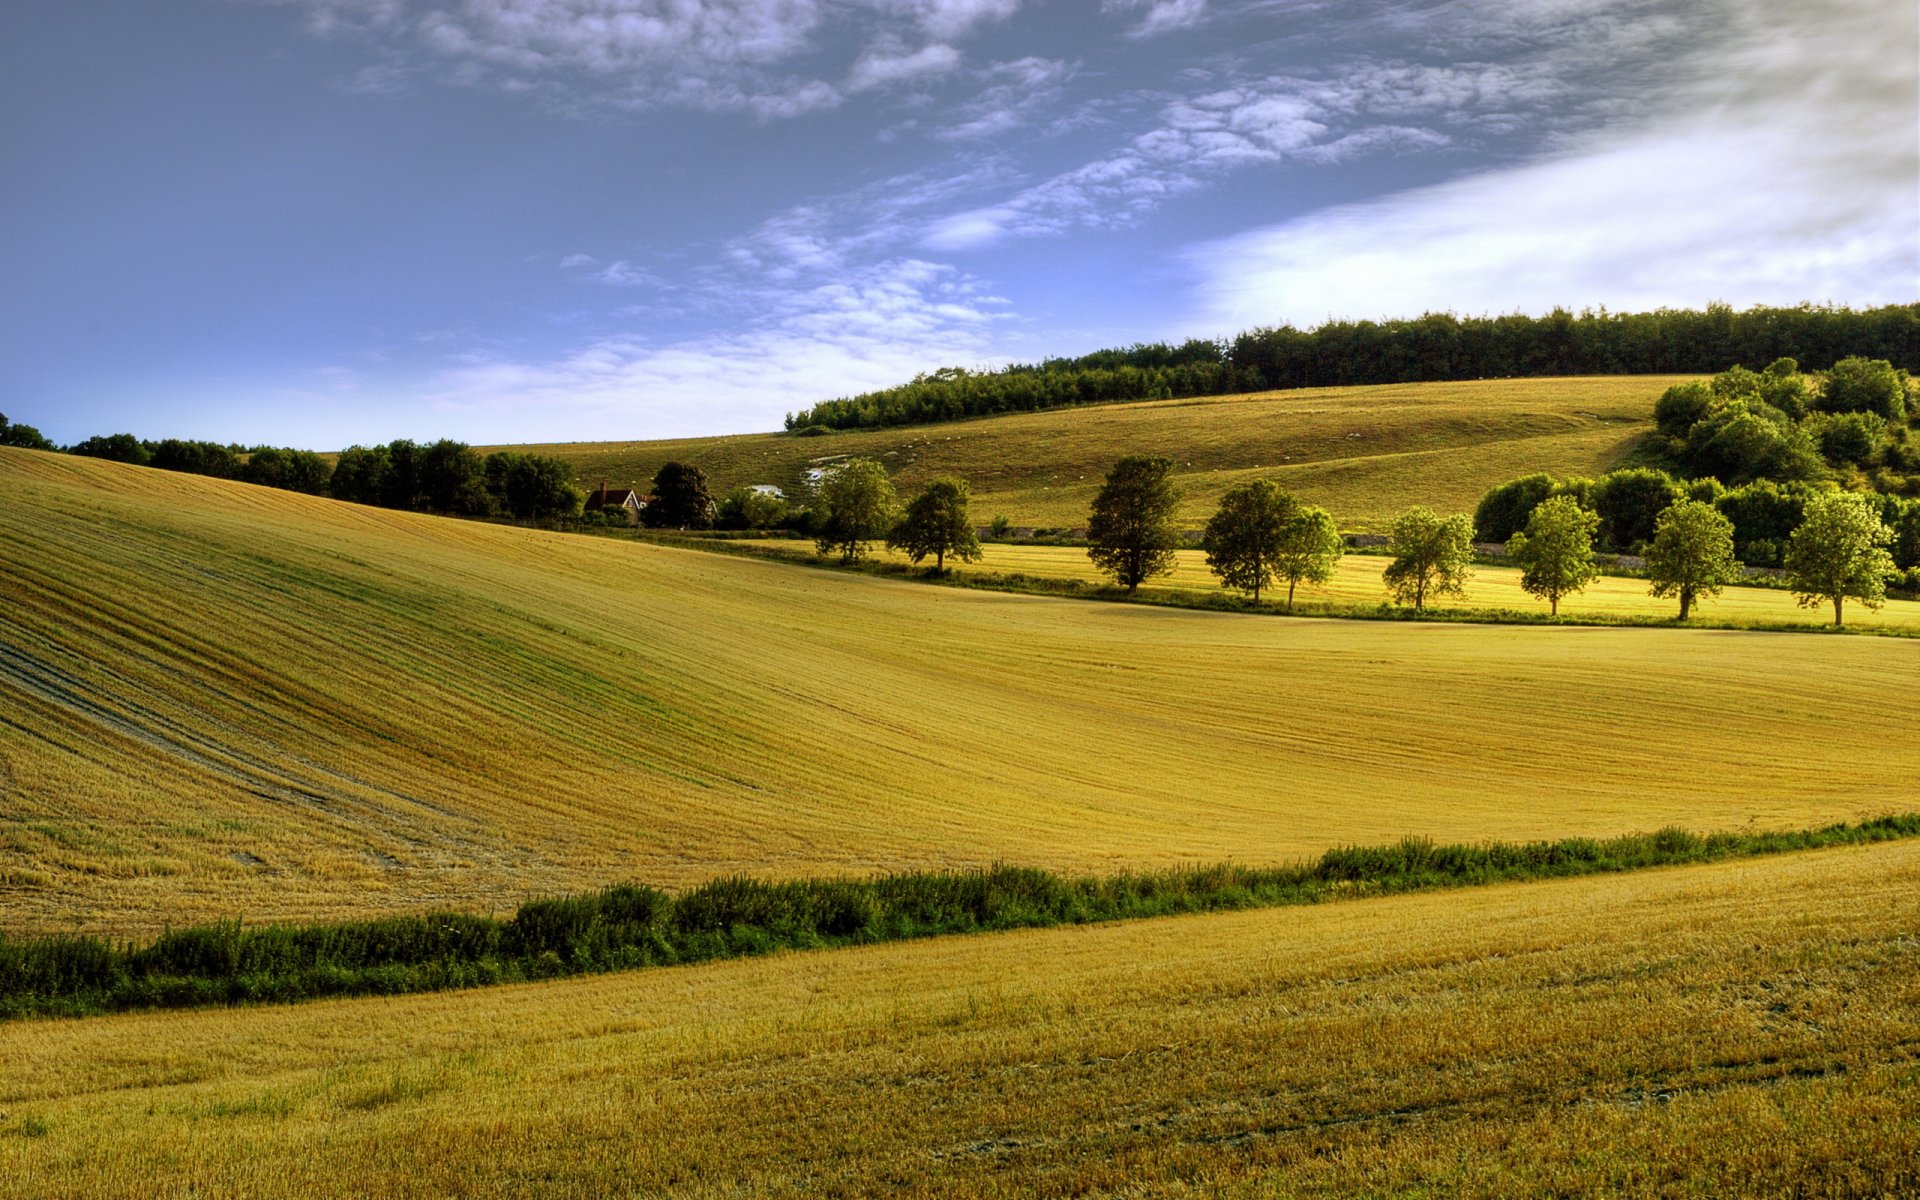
(613, 498)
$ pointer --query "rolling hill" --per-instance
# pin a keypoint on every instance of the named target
(1365, 453)
(226, 700)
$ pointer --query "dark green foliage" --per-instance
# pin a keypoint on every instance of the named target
(1628, 503)
(1503, 511)
(680, 499)
(1748, 439)
(1764, 516)
(452, 478)
(1680, 406)
(937, 523)
(531, 486)
(1866, 386)
(22, 437)
(1436, 346)
(291, 470)
(1851, 438)
(631, 926)
(195, 458)
(1130, 532)
(750, 508)
(360, 475)
(115, 447)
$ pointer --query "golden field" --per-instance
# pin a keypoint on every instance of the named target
(226, 700)
(1364, 453)
(1741, 1029)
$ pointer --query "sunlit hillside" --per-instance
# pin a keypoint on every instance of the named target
(1365, 453)
(219, 699)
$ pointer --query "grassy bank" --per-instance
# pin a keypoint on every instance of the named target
(634, 926)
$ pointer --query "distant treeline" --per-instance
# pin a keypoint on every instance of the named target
(1434, 347)
(634, 926)
(440, 477)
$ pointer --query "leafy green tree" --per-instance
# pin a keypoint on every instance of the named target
(857, 506)
(290, 470)
(400, 486)
(1432, 556)
(1628, 502)
(1692, 554)
(1130, 532)
(532, 486)
(1748, 439)
(1681, 407)
(1555, 553)
(360, 475)
(453, 479)
(1866, 385)
(22, 437)
(1850, 438)
(680, 499)
(1310, 547)
(750, 508)
(937, 523)
(1243, 537)
(1504, 510)
(197, 458)
(1840, 551)
(115, 447)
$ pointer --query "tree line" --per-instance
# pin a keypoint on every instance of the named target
(1430, 348)
(445, 477)
(1261, 536)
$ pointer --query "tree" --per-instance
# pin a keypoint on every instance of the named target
(1432, 556)
(1555, 553)
(1310, 545)
(115, 447)
(1629, 502)
(1866, 385)
(360, 475)
(532, 486)
(23, 437)
(858, 506)
(1692, 554)
(1504, 510)
(1243, 537)
(1681, 407)
(1839, 551)
(750, 508)
(937, 524)
(1130, 532)
(680, 499)
(453, 479)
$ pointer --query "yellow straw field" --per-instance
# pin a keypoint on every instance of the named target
(222, 700)
(1364, 453)
(1741, 1029)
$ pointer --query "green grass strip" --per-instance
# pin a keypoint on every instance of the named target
(633, 926)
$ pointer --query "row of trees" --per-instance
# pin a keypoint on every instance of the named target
(442, 477)
(1436, 346)
(1261, 535)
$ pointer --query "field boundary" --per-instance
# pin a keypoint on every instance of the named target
(632, 926)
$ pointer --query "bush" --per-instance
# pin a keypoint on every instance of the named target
(1629, 503)
(1503, 511)
(1866, 386)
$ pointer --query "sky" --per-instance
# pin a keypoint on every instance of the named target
(326, 222)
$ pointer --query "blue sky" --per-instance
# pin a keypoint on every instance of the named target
(320, 222)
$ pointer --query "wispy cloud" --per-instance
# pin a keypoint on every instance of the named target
(871, 328)
(1160, 16)
(1784, 170)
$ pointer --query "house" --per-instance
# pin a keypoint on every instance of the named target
(611, 500)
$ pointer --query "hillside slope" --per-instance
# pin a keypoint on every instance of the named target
(1742, 1029)
(217, 699)
(1366, 453)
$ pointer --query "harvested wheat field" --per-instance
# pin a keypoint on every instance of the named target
(321, 709)
(1746, 1028)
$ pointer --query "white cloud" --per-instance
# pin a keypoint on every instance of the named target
(869, 329)
(888, 62)
(760, 57)
(1162, 16)
(1786, 171)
